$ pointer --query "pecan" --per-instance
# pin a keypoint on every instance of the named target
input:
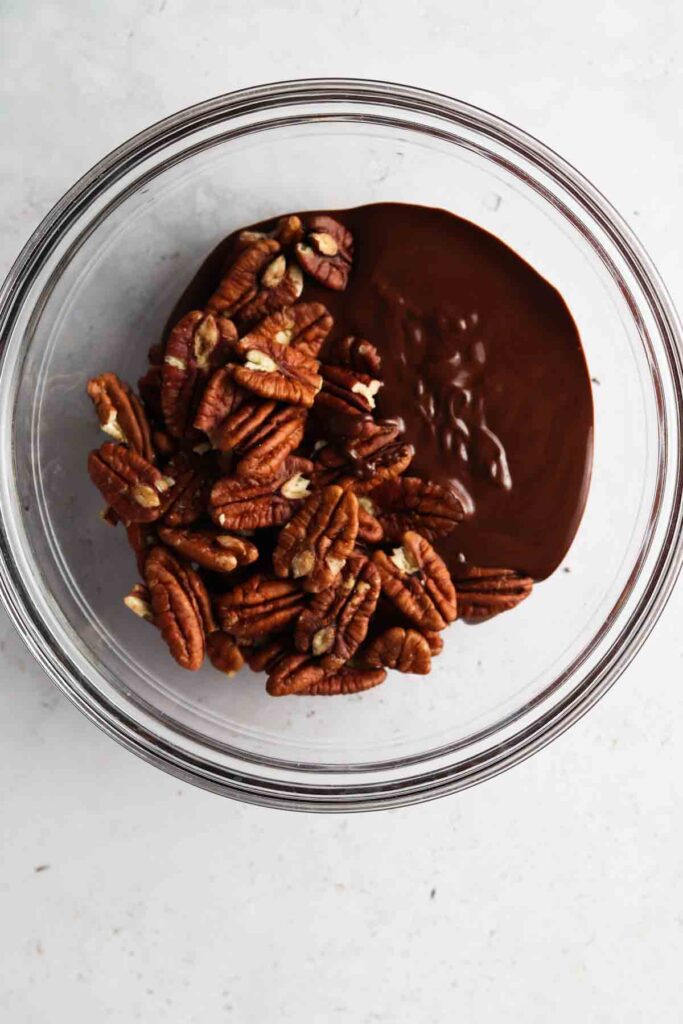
(287, 231)
(484, 593)
(336, 622)
(224, 654)
(346, 400)
(258, 607)
(346, 680)
(326, 252)
(138, 602)
(292, 673)
(370, 530)
(130, 484)
(180, 607)
(258, 282)
(366, 462)
(406, 650)
(303, 327)
(187, 499)
(242, 281)
(416, 580)
(220, 399)
(121, 414)
(141, 538)
(408, 503)
(164, 445)
(358, 354)
(277, 371)
(265, 657)
(263, 443)
(211, 549)
(315, 544)
(196, 346)
(236, 504)
(435, 641)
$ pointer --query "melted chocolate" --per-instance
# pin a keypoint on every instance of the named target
(481, 362)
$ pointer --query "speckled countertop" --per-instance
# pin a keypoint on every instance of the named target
(554, 893)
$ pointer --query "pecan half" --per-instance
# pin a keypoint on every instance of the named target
(130, 484)
(435, 641)
(258, 607)
(346, 680)
(292, 673)
(303, 327)
(221, 398)
(277, 371)
(265, 657)
(211, 549)
(196, 346)
(261, 442)
(417, 581)
(358, 354)
(224, 654)
(366, 462)
(346, 400)
(409, 503)
(287, 231)
(180, 607)
(326, 252)
(187, 499)
(236, 504)
(484, 593)
(121, 414)
(258, 282)
(315, 544)
(406, 650)
(242, 281)
(336, 622)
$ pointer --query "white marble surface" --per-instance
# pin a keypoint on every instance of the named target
(554, 893)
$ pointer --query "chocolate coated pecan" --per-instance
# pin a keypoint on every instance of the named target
(121, 414)
(416, 580)
(406, 650)
(303, 327)
(258, 607)
(237, 504)
(336, 621)
(211, 549)
(315, 544)
(130, 484)
(484, 593)
(409, 503)
(358, 354)
(326, 252)
(224, 653)
(345, 680)
(196, 346)
(278, 372)
(180, 607)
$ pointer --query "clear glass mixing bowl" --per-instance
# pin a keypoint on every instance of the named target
(93, 288)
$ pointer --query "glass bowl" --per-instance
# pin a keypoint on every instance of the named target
(91, 291)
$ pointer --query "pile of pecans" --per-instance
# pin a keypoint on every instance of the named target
(266, 502)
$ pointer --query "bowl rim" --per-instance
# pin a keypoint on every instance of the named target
(441, 780)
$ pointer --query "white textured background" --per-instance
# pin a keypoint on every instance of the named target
(552, 894)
